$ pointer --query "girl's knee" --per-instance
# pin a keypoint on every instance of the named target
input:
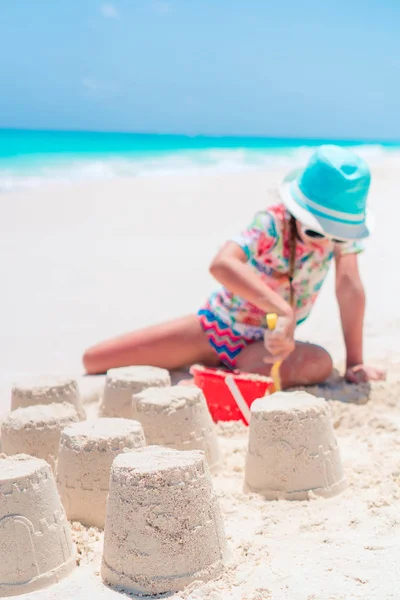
(322, 366)
(310, 365)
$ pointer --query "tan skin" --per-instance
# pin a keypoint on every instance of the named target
(182, 342)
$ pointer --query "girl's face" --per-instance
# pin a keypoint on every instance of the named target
(314, 239)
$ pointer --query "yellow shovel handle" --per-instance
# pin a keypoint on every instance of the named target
(272, 319)
(275, 375)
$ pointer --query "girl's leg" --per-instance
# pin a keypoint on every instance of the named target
(307, 365)
(172, 345)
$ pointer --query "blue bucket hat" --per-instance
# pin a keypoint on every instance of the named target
(330, 194)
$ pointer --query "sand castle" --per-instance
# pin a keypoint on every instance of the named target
(292, 450)
(165, 497)
(35, 543)
(87, 451)
(46, 390)
(122, 383)
(36, 430)
(177, 417)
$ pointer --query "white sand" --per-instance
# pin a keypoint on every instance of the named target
(336, 549)
(77, 252)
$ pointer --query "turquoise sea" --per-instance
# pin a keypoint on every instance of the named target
(33, 158)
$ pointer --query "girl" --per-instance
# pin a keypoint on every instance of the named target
(278, 264)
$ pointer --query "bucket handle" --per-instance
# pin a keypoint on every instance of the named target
(237, 396)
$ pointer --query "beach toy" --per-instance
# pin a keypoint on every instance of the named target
(36, 430)
(86, 453)
(46, 390)
(221, 402)
(123, 383)
(177, 417)
(292, 452)
(272, 319)
(163, 526)
(36, 548)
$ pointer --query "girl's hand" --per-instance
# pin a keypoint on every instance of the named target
(279, 342)
(364, 373)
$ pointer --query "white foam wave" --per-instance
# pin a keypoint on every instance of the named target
(188, 162)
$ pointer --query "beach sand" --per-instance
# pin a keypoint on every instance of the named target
(94, 260)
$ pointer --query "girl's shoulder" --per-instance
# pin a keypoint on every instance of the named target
(265, 231)
(272, 219)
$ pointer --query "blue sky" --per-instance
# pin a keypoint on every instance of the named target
(295, 68)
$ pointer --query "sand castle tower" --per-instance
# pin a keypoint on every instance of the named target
(46, 390)
(35, 543)
(163, 526)
(87, 450)
(292, 450)
(122, 383)
(36, 430)
(177, 417)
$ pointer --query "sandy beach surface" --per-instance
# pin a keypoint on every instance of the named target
(81, 263)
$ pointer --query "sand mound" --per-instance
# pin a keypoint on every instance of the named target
(177, 417)
(46, 390)
(292, 449)
(122, 383)
(87, 451)
(35, 542)
(165, 497)
(36, 430)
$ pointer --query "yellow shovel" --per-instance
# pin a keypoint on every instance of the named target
(272, 319)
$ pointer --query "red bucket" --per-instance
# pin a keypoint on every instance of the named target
(221, 403)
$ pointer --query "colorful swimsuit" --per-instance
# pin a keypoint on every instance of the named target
(232, 323)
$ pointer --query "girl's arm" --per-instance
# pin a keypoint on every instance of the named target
(230, 268)
(350, 294)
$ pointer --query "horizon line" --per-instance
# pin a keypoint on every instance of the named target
(287, 138)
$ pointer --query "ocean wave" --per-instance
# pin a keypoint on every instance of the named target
(47, 170)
